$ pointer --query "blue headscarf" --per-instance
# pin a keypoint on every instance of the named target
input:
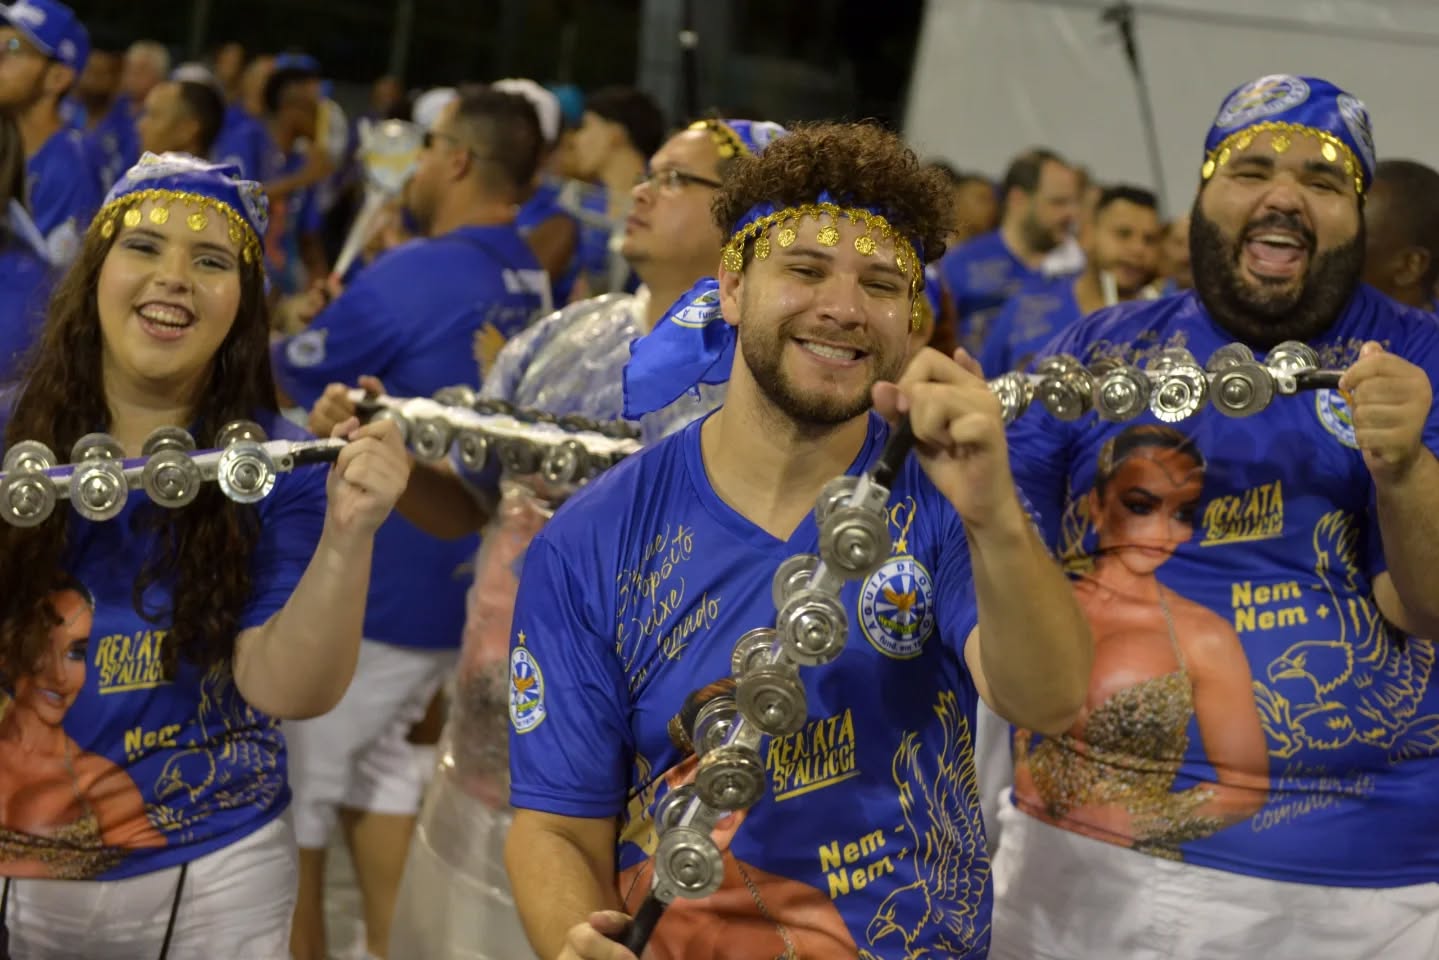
(180, 179)
(1286, 106)
(735, 138)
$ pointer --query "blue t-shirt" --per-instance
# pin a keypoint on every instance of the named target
(63, 179)
(246, 143)
(1028, 321)
(541, 206)
(1251, 711)
(160, 772)
(632, 598)
(25, 284)
(116, 141)
(980, 275)
(410, 318)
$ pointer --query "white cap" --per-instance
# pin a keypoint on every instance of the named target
(547, 105)
(193, 73)
(430, 104)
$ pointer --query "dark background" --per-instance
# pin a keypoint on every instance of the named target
(785, 59)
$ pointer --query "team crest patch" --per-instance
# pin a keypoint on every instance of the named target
(896, 608)
(697, 313)
(1264, 97)
(1356, 121)
(527, 691)
(307, 348)
(1335, 416)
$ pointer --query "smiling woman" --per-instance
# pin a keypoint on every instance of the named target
(202, 626)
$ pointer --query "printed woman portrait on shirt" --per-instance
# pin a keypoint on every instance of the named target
(1160, 659)
(755, 913)
(64, 813)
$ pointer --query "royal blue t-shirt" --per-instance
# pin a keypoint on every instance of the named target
(246, 143)
(63, 179)
(869, 834)
(1250, 709)
(116, 141)
(410, 318)
(159, 772)
(25, 285)
(1027, 322)
(980, 276)
(543, 204)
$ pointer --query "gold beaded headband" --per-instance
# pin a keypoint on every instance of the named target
(788, 218)
(241, 233)
(727, 142)
(1332, 148)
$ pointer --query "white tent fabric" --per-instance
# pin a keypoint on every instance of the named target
(993, 77)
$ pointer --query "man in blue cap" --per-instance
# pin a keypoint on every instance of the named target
(1256, 768)
(44, 50)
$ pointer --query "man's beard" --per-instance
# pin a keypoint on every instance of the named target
(1262, 318)
(1041, 239)
(764, 356)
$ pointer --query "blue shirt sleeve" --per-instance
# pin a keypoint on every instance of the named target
(356, 335)
(958, 612)
(567, 695)
(63, 200)
(995, 357)
(291, 521)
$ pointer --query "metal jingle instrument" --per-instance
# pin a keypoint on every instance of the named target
(564, 451)
(791, 577)
(754, 650)
(98, 484)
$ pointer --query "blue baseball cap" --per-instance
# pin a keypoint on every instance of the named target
(52, 28)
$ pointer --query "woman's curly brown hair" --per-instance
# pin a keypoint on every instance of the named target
(202, 552)
(859, 164)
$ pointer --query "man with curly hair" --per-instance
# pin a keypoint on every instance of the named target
(868, 841)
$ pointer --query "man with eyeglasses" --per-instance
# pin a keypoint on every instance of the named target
(43, 48)
(620, 130)
(410, 317)
(571, 362)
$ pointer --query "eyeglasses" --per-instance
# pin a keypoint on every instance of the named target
(672, 179)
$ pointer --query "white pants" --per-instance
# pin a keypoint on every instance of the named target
(236, 904)
(455, 901)
(994, 768)
(357, 755)
(1062, 896)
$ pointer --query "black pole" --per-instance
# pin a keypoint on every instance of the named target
(689, 64)
(636, 934)
(1121, 15)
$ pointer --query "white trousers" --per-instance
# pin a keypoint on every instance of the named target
(1062, 896)
(357, 755)
(236, 903)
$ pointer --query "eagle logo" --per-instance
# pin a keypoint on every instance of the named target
(527, 691)
(896, 607)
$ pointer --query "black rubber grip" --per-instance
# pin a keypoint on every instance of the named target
(1318, 379)
(636, 936)
(901, 441)
(305, 456)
